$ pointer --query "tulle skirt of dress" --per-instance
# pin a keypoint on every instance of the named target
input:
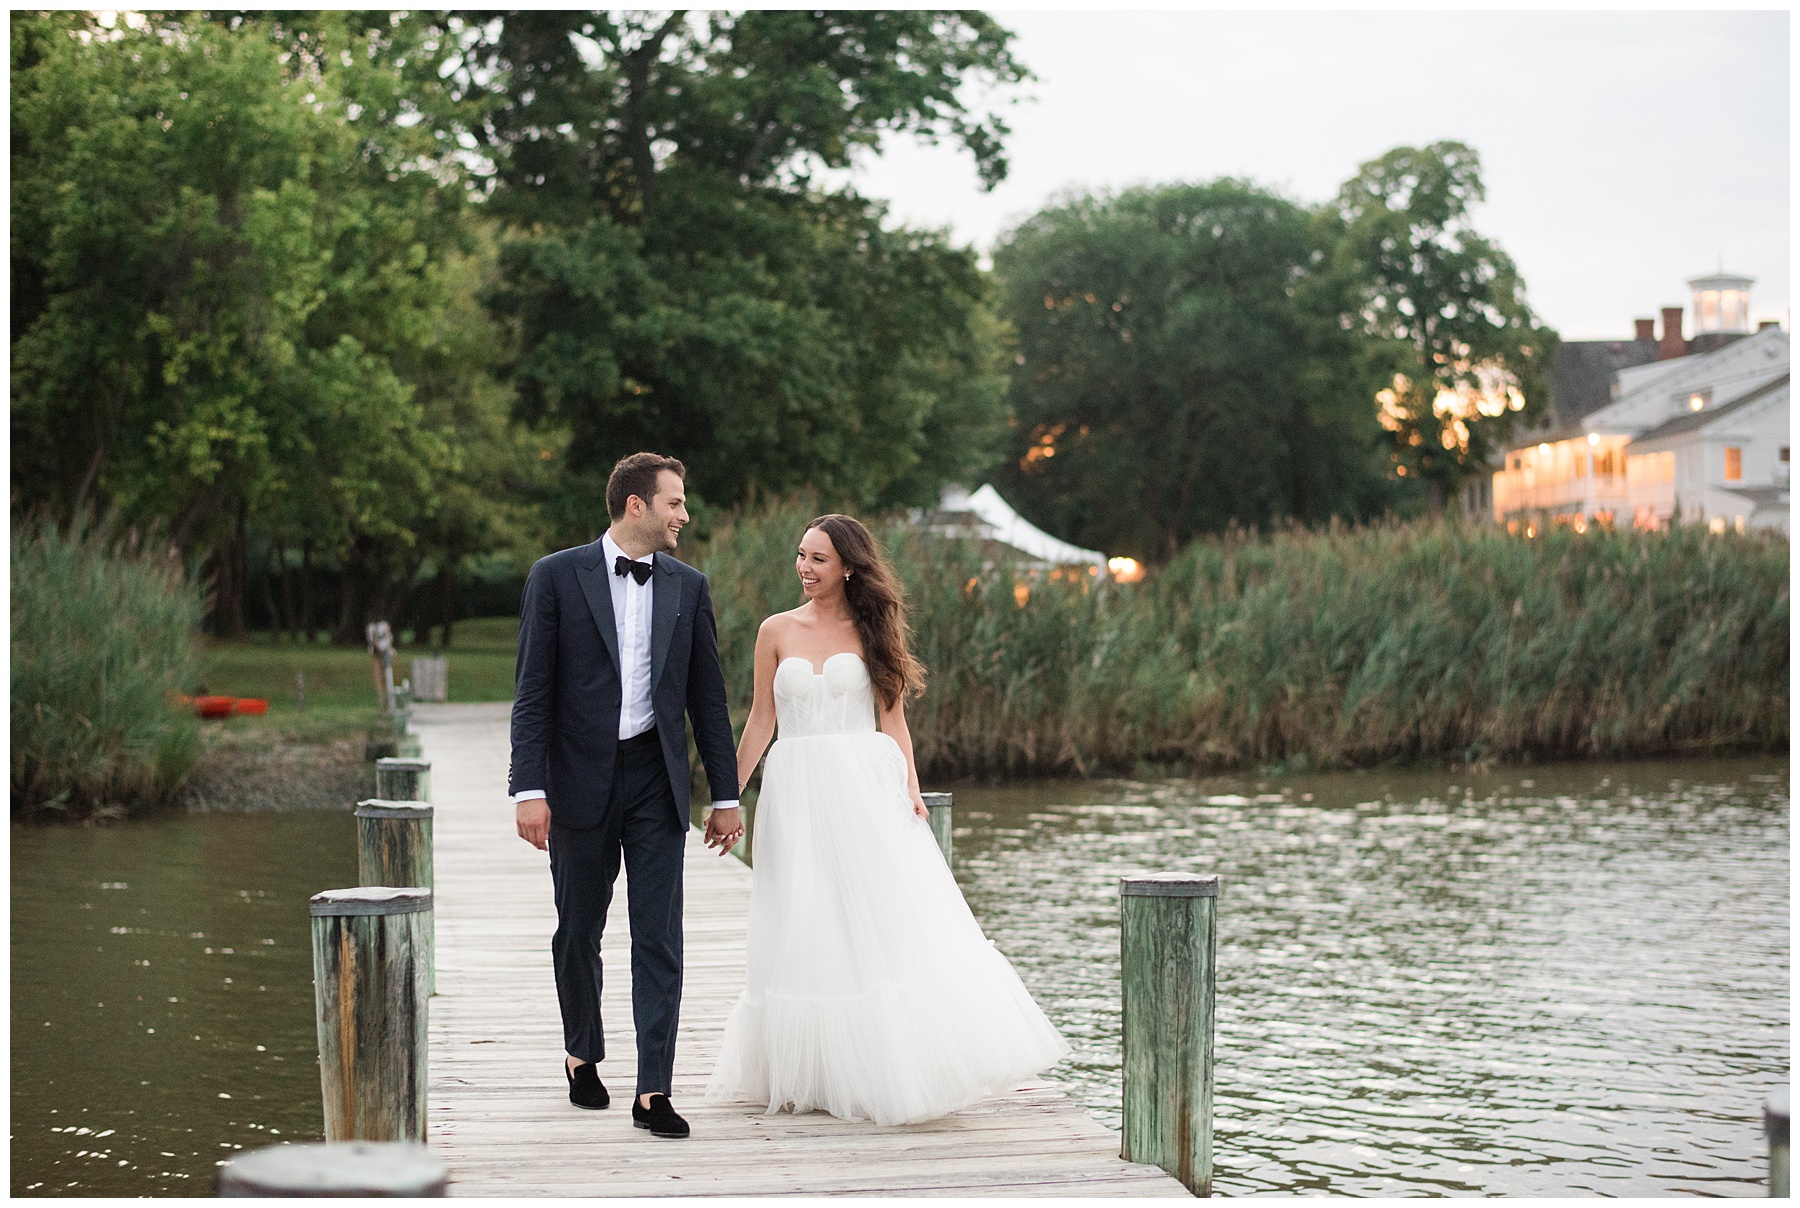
(870, 991)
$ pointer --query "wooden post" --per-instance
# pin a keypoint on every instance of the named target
(403, 779)
(406, 743)
(938, 806)
(1775, 1127)
(1168, 948)
(430, 677)
(393, 847)
(369, 987)
(381, 654)
(353, 1168)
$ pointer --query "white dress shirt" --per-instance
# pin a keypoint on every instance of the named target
(631, 602)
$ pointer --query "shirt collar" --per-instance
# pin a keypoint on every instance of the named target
(612, 553)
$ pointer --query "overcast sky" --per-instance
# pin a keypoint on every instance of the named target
(1623, 152)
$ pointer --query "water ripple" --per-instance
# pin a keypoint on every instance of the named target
(1572, 982)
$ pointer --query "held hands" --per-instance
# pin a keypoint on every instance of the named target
(724, 828)
(918, 804)
(534, 822)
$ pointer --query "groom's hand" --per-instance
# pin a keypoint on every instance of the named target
(723, 829)
(534, 822)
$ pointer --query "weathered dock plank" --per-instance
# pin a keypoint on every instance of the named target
(499, 1112)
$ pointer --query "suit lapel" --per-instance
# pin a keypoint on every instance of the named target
(665, 607)
(592, 577)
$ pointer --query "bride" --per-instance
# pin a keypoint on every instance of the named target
(870, 990)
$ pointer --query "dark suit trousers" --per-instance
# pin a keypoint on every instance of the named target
(641, 823)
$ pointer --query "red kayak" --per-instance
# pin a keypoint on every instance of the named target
(227, 706)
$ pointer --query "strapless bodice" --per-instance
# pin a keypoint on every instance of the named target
(837, 700)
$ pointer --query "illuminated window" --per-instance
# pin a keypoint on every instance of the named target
(1734, 464)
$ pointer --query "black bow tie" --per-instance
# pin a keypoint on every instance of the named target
(641, 571)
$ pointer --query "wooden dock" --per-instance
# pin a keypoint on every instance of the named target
(499, 1111)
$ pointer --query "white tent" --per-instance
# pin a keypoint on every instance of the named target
(998, 522)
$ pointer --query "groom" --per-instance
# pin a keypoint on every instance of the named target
(616, 644)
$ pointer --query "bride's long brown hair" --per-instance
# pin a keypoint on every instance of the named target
(878, 608)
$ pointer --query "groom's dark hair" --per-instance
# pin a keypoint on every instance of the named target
(636, 475)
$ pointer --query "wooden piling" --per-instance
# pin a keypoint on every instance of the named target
(938, 806)
(1169, 950)
(355, 1168)
(393, 847)
(1775, 1127)
(369, 988)
(403, 779)
(430, 678)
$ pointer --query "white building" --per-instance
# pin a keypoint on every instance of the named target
(1704, 434)
(1726, 463)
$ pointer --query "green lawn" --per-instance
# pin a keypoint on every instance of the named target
(340, 684)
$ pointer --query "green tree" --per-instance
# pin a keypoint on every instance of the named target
(218, 267)
(681, 277)
(1462, 355)
(492, 502)
(1180, 366)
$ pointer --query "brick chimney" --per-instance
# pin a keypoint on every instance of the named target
(1646, 330)
(1672, 344)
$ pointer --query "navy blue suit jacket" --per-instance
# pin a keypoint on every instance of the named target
(565, 718)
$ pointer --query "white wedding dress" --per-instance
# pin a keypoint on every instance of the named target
(870, 991)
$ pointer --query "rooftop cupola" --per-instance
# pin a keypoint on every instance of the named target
(1721, 303)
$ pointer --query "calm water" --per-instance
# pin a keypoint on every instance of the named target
(162, 1012)
(1557, 981)
(1568, 980)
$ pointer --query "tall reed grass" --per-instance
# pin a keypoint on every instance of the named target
(1350, 646)
(102, 638)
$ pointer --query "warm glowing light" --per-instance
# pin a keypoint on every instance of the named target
(1043, 446)
(1531, 530)
(1021, 593)
(1125, 570)
(1593, 438)
(1696, 402)
(1543, 450)
(1580, 525)
(1400, 470)
(1475, 390)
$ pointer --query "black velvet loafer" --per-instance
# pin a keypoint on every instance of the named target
(585, 1087)
(659, 1117)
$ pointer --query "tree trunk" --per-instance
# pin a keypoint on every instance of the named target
(638, 64)
(266, 582)
(240, 572)
(308, 626)
(349, 631)
(87, 483)
(229, 566)
(290, 623)
(446, 585)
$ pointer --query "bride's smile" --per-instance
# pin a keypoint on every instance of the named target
(821, 571)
